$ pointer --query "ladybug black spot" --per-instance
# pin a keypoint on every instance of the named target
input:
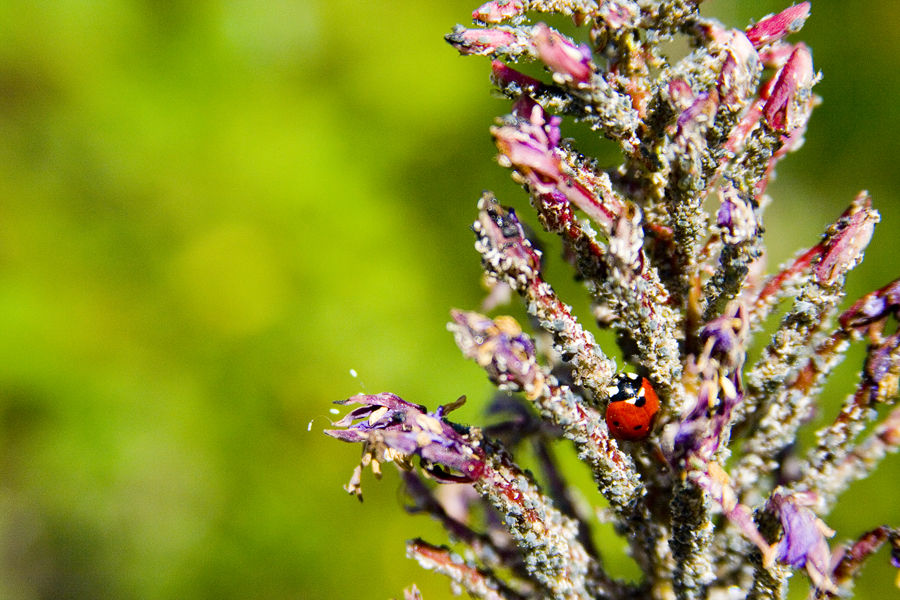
(638, 427)
(640, 401)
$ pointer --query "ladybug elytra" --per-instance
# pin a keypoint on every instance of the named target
(633, 404)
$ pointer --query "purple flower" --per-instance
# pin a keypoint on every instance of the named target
(502, 229)
(529, 144)
(882, 369)
(694, 434)
(680, 94)
(500, 347)
(505, 77)
(869, 316)
(776, 55)
(689, 140)
(497, 11)
(790, 100)
(482, 42)
(716, 483)
(777, 27)
(839, 251)
(803, 543)
(735, 216)
(699, 115)
(873, 308)
(699, 432)
(739, 74)
(392, 429)
(723, 338)
(846, 240)
(567, 61)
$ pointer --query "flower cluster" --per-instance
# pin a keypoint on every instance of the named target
(707, 499)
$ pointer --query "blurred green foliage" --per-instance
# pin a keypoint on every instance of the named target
(211, 211)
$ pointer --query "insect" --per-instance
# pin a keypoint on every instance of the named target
(633, 404)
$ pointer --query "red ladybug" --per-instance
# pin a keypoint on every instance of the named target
(633, 404)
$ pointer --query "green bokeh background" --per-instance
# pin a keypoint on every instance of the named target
(211, 211)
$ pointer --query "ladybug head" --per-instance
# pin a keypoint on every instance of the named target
(627, 387)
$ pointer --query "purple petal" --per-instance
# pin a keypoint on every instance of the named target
(882, 367)
(776, 27)
(737, 80)
(680, 94)
(501, 348)
(481, 42)
(529, 145)
(346, 435)
(790, 93)
(804, 543)
(846, 240)
(776, 55)
(724, 336)
(735, 216)
(873, 307)
(567, 61)
(505, 76)
(387, 422)
(497, 11)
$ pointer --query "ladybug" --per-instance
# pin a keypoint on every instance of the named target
(633, 404)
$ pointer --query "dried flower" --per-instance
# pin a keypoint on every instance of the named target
(392, 429)
(774, 28)
(790, 98)
(568, 62)
(497, 11)
(803, 544)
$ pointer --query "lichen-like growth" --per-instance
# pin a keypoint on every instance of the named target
(684, 292)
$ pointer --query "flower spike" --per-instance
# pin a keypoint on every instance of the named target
(694, 453)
